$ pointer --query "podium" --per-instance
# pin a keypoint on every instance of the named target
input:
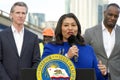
(85, 74)
(28, 74)
(81, 74)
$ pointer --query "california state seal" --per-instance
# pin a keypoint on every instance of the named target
(55, 61)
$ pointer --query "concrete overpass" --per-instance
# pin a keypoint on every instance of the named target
(6, 22)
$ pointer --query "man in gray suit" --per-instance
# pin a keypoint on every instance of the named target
(19, 48)
(105, 39)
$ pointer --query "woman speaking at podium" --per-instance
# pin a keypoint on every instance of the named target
(69, 42)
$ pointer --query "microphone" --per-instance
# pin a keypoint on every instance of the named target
(72, 40)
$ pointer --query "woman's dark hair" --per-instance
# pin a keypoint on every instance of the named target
(58, 30)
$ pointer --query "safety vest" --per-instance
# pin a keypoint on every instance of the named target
(41, 46)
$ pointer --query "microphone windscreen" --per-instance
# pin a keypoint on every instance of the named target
(72, 40)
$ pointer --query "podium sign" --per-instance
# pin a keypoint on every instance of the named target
(55, 61)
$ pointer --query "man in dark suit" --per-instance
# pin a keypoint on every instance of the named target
(19, 48)
(105, 39)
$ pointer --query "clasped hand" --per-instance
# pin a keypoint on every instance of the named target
(102, 68)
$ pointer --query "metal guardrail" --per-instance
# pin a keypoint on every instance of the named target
(5, 14)
(28, 25)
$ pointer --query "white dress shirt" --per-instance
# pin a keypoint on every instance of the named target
(18, 37)
(108, 40)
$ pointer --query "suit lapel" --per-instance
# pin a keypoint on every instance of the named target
(99, 37)
(117, 41)
(25, 40)
(12, 41)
